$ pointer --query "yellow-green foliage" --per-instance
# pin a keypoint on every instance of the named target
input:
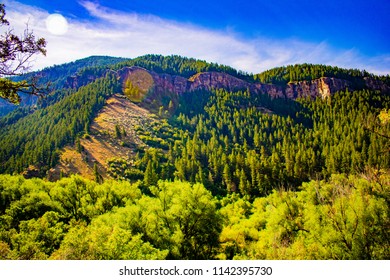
(345, 218)
(137, 85)
(384, 117)
(132, 92)
(74, 218)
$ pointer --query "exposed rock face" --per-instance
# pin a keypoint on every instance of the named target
(272, 90)
(169, 83)
(376, 85)
(179, 85)
(210, 80)
(79, 81)
(323, 87)
(163, 83)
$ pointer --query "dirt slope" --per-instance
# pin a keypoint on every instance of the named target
(103, 141)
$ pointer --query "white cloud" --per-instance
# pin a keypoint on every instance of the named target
(117, 33)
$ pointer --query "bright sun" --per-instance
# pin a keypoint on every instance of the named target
(56, 24)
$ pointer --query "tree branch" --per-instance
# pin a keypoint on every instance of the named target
(15, 54)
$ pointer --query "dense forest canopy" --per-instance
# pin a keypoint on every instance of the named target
(307, 72)
(58, 74)
(74, 218)
(221, 174)
(179, 65)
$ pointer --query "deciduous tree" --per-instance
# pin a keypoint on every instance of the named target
(15, 55)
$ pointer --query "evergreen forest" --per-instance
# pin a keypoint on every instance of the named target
(220, 174)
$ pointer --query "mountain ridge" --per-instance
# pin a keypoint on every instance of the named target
(179, 101)
(322, 87)
(293, 81)
(232, 79)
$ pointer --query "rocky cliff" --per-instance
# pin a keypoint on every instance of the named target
(160, 84)
(323, 87)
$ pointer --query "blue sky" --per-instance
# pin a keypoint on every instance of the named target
(249, 35)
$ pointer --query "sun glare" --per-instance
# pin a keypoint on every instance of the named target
(56, 24)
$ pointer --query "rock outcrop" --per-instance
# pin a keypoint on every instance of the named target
(322, 87)
(375, 84)
(210, 80)
(161, 84)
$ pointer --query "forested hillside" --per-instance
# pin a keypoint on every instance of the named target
(219, 166)
(56, 77)
(302, 72)
(178, 65)
(35, 138)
